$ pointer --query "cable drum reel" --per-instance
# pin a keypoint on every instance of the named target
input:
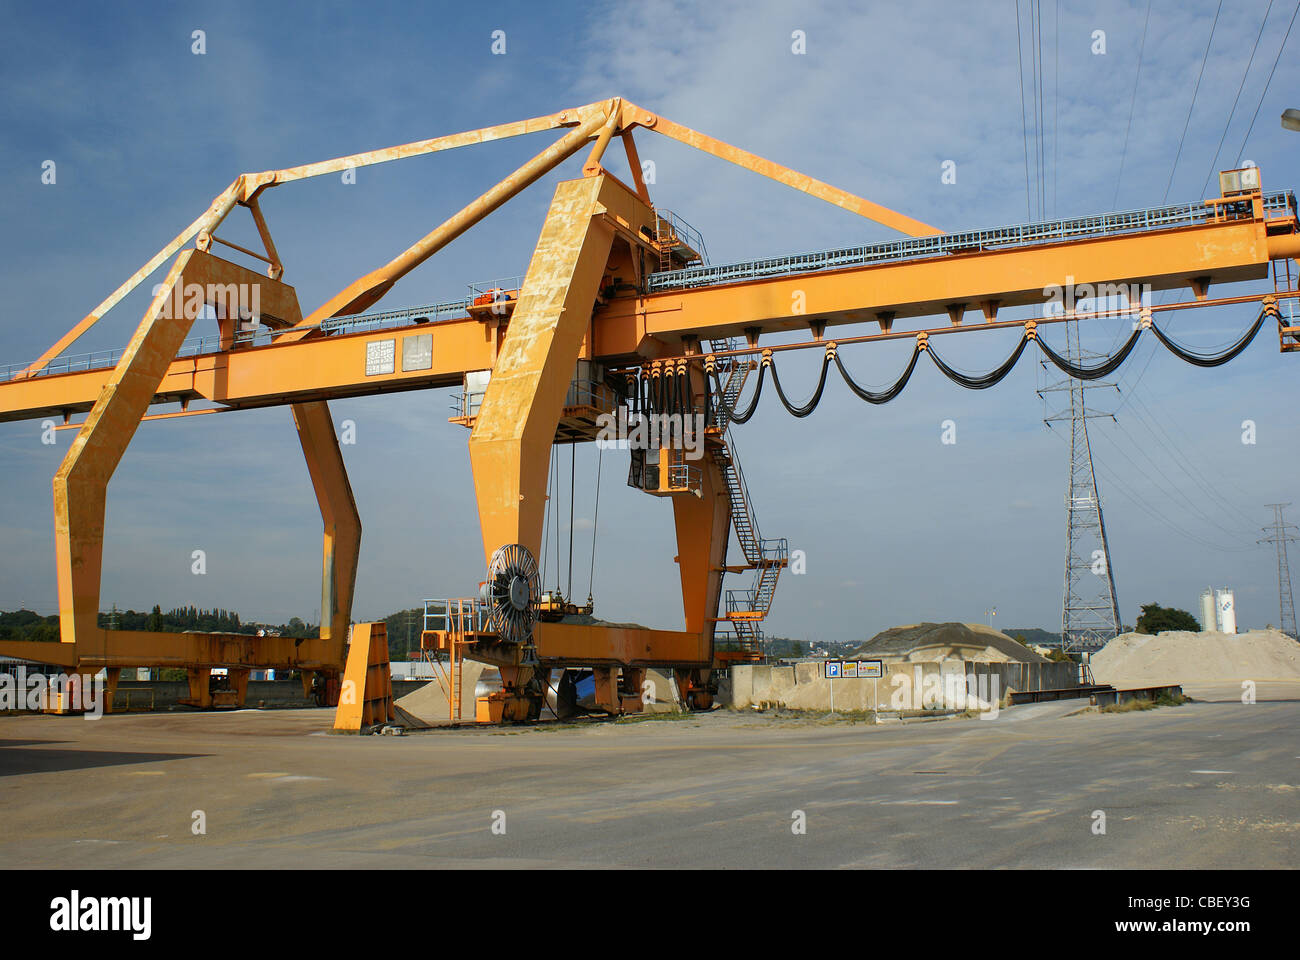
(511, 592)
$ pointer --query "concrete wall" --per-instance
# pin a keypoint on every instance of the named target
(948, 684)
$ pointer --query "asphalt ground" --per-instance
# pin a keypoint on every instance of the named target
(1210, 784)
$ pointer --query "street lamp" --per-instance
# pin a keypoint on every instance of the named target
(1291, 119)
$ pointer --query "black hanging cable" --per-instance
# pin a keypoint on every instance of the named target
(884, 396)
(595, 522)
(811, 405)
(573, 478)
(981, 382)
(1207, 360)
(546, 517)
(555, 464)
(736, 416)
(984, 381)
(1103, 369)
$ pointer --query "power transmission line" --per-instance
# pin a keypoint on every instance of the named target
(1267, 83)
(1249, 63)
(1024, 123)
(1116, 482)
(1195, 90)
(1132, 103)
(1056, 102)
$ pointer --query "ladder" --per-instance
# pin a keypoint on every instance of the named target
(745, 609)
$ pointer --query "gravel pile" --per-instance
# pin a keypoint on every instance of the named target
(1179, 656)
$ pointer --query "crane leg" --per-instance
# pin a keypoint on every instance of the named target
(510, 445)
(342, 523)
(703, 526)
(81, 484)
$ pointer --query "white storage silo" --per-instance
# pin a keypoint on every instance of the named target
(1227, 611)
(1209, 616)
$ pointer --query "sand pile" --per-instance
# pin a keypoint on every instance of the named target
(930, 642)
(1178, 656)
(429, 702)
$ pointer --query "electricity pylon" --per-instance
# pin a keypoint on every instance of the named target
(1089, 608)
(1280, 534)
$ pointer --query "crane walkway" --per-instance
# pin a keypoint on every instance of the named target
(971, 241)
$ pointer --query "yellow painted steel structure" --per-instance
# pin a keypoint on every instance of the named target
(583, 298)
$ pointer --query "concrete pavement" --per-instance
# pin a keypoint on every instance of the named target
(1205, 785)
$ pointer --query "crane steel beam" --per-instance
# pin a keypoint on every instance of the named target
(247, 188)
(632, 327)
(586, 295)
(1226, 252)
(634, 116)
(342, 523)
(366, 290)
(80, 486)
(510, 445)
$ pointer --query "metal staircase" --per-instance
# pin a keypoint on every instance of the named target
(745, 609)
(732, 373)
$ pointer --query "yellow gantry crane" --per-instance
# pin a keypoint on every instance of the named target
(617, 315)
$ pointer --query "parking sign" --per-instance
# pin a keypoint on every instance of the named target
(833, 670)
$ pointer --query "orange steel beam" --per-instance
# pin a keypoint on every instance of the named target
(629, 329)
(213, 216)
(554, 322)
(140, 648)
(366, 290)
(634, 162)
(703, 528)
(82, 480)
(1227, 252)
(510, 445)
(342, 523)
(247, 187)
(637, 116)
(621, 646)
(504, 131)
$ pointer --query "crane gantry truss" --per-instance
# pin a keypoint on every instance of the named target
(586, 296)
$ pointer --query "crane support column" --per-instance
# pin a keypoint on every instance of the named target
(81, 484)
(510, 446)
(703, 524)
(342, 523)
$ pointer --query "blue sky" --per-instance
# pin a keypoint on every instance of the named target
(897, 527)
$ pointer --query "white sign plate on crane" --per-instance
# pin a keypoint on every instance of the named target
(380, 357)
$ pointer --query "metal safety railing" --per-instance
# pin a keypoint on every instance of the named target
(262, 336)
(582, 393)
(487, 288)
(684, 476)
(671, 230)
(456, 615)
(1025, 234)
